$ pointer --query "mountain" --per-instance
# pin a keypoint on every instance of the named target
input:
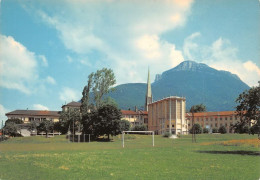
(198, 82)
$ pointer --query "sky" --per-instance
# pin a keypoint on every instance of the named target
(48, 48)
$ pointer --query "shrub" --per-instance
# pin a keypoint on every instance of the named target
(166, 134)
(214, 130)
(197, 129)
(222, 130)
(205, 130)
(139, 128)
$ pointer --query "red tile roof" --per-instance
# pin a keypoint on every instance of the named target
(220, 113)
(34, 113)
(129, 112)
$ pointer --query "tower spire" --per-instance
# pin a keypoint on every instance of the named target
(148, 98)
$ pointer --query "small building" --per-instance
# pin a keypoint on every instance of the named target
(137, 117)
(168, 115)
(71, 105)
(34, 115)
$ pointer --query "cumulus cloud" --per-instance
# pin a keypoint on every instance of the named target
(3, 111)
(68, 94)
(222, 55)
(18, 65)
(40, 107)
(127, 39)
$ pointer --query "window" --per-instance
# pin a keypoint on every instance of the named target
(226, 124)
(167, 126)
(230, 118)
(220, 118)
(216, 125)
(206, 119)
(216, 119)
(225, 118)
(172, 125)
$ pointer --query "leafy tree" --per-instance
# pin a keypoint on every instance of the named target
(214, 130)
(45, 126)
(11, 129)
(69, 119)
(248, 108)
(205, 130)
(16, 121)
(195, 109)
(254, 129)
(124, 125)
(33, 126)
(85, 106)
(106, 120)
(99, 83)
(102, 81)
(196, 128)
(222, 130)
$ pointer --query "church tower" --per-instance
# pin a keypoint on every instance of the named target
(148, 98)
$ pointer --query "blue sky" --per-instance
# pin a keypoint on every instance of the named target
(47, 49)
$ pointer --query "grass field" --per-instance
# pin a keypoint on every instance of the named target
(229, 156)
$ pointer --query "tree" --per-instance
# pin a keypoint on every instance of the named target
(214, 130)
(32, 126)
(102, 81)
(194, 109)
(99, 83)
(222, 130)
(124, 125)
(69, 120)
(248, 108)
(11, 129)
(196, 129)
(205, 130)
(16, 121)
(45, 126)
(106, 120)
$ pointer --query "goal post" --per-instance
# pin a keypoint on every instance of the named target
(123, 135)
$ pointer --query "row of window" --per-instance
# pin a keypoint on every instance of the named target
(211, 118)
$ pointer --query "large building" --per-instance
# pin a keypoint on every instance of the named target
(34, 115)
(168, 115)
(212, 120)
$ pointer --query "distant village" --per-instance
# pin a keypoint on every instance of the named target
(165, 115)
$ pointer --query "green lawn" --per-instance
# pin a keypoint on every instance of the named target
(54, 158)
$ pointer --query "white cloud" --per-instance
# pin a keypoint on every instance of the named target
(3, 111)
(18, 66)
(40, 107)
(70, 60)
(222, 55)
(68, 94)
(128, 38)
(50, 80)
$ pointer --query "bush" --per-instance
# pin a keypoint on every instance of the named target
(139, 128)
(222, 130)
(197, 129)
(205, 130)
(166, 134)
(214, 130)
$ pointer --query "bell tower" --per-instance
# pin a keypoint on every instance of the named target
(148, 98)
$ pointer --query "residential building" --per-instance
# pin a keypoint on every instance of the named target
(34, 115)
(212, 120)
(137, 117)
(71, 105)
(168, 115)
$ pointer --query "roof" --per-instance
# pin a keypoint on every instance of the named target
(73, 104)
(129, 112)
(34, 113)
(219, 113)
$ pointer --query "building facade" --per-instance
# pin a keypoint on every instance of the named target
(212, 120)
(34, 115)
(135, 117)
(168, 115)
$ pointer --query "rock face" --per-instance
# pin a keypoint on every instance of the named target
(198, 82)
